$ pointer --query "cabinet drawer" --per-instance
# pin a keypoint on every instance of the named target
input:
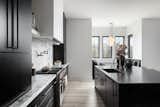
(46, 97)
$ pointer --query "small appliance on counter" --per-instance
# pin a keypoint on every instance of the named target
(128, 63)
(58, 64)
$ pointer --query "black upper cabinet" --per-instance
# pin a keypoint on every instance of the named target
(14, 31)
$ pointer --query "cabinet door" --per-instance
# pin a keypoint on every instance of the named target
(5, 26)
(97, 79)
(24, 38)
(58, 20)
(109, 96)
(15, 27)
(102, 76)
(47, 98)
(43, 10)
(115, 95)
(15, 74)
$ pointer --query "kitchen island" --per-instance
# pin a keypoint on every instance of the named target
(136, 87)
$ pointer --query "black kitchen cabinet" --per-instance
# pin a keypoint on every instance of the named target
(124, 93)
(15, 25)
(61, 83)
(15, 49)
(115, 94)
(58, 53)
(93, 69)
(46, 98)
(107, 88)
(109, 92)
(100, 82)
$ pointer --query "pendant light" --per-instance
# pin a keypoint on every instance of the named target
(111, 38)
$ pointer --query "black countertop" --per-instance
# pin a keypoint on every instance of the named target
(136, 75)
(54, 70)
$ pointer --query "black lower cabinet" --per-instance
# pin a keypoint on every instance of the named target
(126, 95)
(107, 89)
(45, 99)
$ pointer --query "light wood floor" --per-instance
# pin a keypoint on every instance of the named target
(81, 94)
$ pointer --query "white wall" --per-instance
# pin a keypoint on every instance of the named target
(146, 41)
(151, 43)
(79, 49)
(105, 31)
(135, 29)
(40, 46)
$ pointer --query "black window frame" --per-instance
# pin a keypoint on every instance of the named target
(103, 46)
(98, 46)
(129, 45)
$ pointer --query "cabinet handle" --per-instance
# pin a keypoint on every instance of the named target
(12, 24)
(55, 82)
(116, 93)
(36, 105)
(46, 93)
(113, 89)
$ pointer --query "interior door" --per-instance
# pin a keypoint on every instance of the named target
(15, 25)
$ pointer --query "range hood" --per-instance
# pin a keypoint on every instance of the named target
(36, 35)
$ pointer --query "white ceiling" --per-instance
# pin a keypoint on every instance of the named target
(120, 12)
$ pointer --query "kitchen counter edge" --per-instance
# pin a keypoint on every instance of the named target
(39, 83)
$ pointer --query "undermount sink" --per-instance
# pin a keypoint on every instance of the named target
(111, 70)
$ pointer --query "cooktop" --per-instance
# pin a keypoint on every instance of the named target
(52, 71)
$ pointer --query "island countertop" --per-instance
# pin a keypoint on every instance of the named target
(136, 75)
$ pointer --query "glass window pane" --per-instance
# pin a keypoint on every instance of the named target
(95, 47)
(130, 46)
(106, 49)
(119, 41)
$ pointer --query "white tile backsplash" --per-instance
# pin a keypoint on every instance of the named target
(39, 46)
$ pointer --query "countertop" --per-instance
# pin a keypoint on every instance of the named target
(39, 83)
(57, 70)
(136, 75)
(64, 66)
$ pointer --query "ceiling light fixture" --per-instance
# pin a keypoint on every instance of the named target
(111, 39)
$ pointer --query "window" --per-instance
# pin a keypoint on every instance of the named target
(106, 49)
(101, 47)
(119, 40)
(130, 46)
(95, 46)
